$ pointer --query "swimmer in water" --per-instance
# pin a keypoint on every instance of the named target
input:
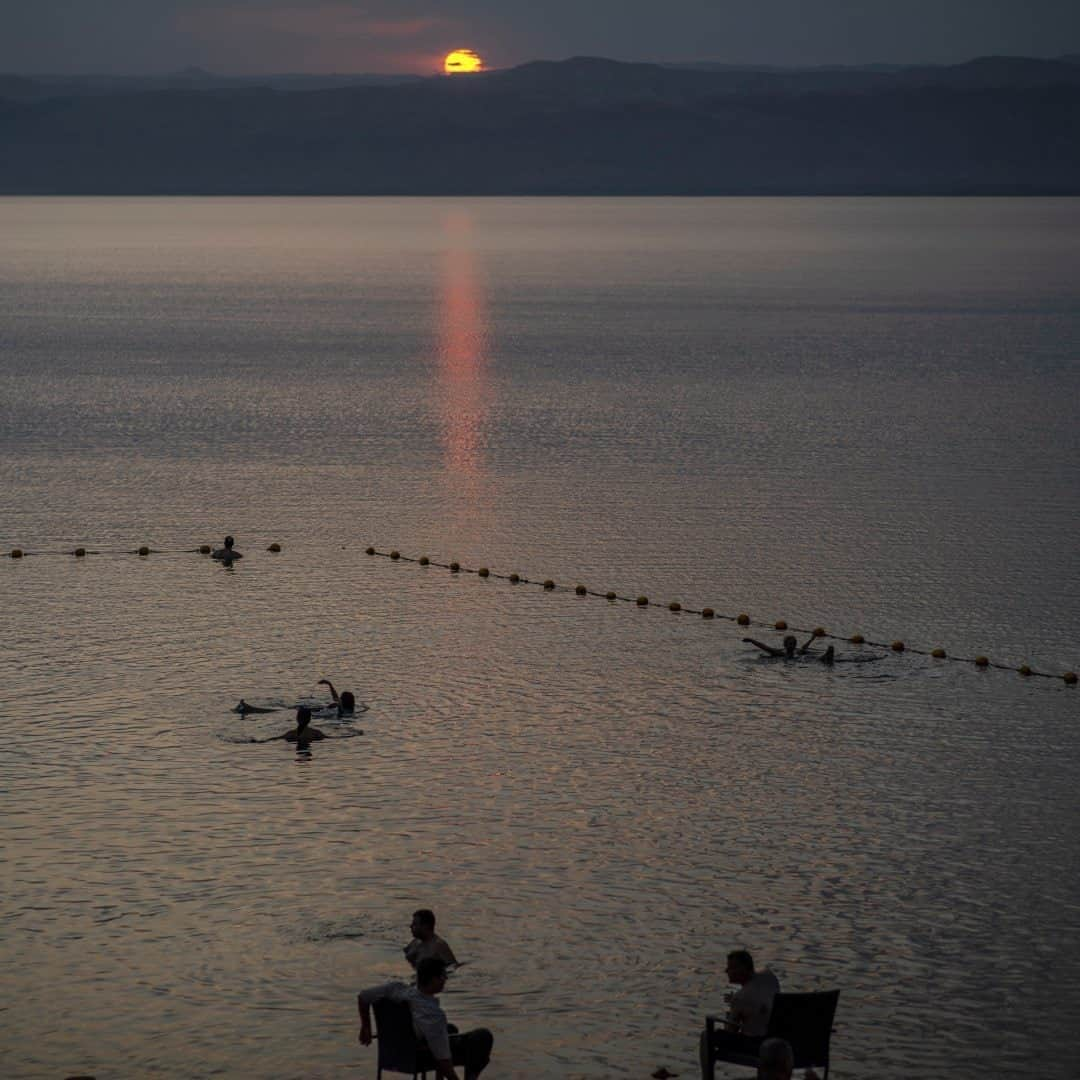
(304, 733)
(788, 652)
(226, 553)
(244, 708)
(346, 702)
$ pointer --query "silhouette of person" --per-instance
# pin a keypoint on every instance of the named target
(304, 734)
(346, 703)
(243, 708)
(226, 553)
(787, 652)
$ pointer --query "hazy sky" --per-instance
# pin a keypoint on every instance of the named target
(254, 36)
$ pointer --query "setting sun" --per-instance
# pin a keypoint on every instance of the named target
(462, 60)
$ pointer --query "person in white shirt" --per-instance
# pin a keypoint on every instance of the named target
(751, 1005)
(471, 1049)
(749, 1009)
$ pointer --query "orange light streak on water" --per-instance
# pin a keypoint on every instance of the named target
(462, 352)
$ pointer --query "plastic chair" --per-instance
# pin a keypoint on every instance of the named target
(399, 1048)
(804, 1020)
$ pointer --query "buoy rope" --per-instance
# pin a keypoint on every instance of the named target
(742, 619)
(144, 550)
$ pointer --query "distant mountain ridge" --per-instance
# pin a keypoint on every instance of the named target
(994, 125)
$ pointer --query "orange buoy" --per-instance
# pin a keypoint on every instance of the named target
(514, 579)
(580, 590)
(424, 560)
(371, 551)
(609, 595)
(856, 639)
(455, 567)
(642, 601)
(819, 631)
(707, 613)
(395, 554)
(79, 552)
(674, 606)
(939, 653)
(743, 619)
(1024, 669)
(144, 550)
(981, 661)
(483, 571)
(1070, 678)
(780, 624)
(274, 547)
(898, 646)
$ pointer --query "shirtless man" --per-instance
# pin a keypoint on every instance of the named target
(304, 734)
(426, 942)
(226, 553)
(787, 652)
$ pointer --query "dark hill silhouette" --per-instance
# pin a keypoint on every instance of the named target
(584, 126)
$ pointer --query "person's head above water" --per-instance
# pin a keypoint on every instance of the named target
(303, 717)
(423, 924)
(229, 541)
(347, 701)
(790, 644)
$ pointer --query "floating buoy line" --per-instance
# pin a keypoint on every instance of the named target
(740, 619)
(548, 585)
(143, 550)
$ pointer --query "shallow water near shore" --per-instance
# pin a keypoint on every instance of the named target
(852, 413)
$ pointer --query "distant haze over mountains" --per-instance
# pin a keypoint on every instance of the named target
(995, 125)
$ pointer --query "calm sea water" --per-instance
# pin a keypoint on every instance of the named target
(854, 413)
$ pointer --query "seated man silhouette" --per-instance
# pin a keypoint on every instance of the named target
(471, 1049)
(749, 1008)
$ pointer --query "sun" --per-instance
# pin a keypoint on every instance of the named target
(462, 60)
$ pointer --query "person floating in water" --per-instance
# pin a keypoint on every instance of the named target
(346, 703)
(304, 734)
(788, 652)
(426, 943)
(244, 708)
(226, 553)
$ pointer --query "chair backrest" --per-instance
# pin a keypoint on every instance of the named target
(398, 1047)
(806, 1021)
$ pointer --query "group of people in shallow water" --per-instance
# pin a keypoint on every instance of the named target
(790, 650)
(344, 705)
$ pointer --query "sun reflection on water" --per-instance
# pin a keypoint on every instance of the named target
(463, 392)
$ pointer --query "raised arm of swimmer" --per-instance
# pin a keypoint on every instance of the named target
(763, 647)
(328, 683)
